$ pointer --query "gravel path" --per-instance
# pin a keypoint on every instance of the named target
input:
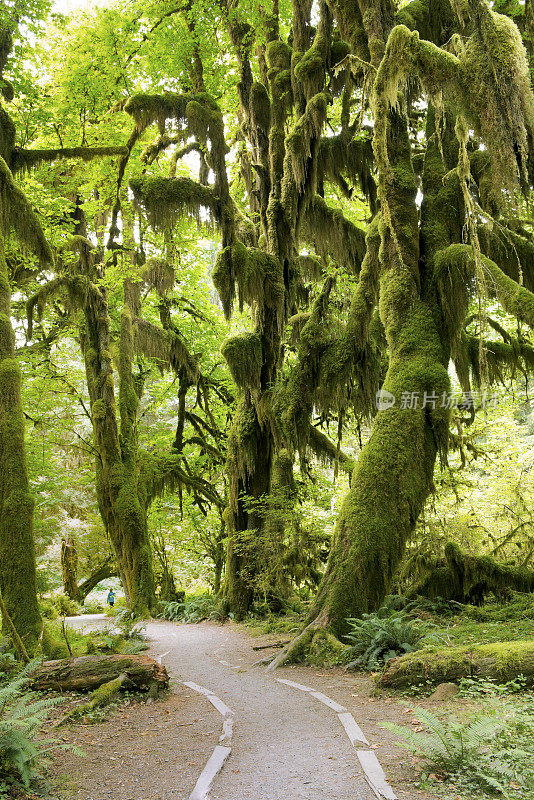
(286, 743)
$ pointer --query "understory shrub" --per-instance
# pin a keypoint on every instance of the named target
(194, 608)
(494, 752)
(374, 639)
(22, 713)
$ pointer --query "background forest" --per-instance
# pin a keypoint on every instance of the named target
(266, 309)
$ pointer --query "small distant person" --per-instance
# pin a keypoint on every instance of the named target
(111, 598)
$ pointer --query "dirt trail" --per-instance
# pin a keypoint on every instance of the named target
(286, 744)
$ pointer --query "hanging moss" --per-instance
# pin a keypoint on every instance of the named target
(242, 446)
(168, 199)
(327, 452)
(165, 347)
(311, 268)
(243, 354)
(307, 128)
(513, 253)
(345, 155)
(513, 297)
(496, 73)
(158, 274)
(332, 234)
(149, 108)
(17, 215)
(255, 273)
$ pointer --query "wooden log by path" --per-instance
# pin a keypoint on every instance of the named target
(86, 673)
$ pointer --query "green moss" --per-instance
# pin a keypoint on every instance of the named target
(242, 445)
(168, 199)
(332, 234)
(243, 354)
(16, 215)
(501, 661)
(260, 107)
(148, 108)
(53, 648)
(339, 51)
(500, 102)
(468, 579)
(256, 275)
(278, 55)
(310, 69)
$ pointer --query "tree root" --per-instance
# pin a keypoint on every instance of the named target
(315, 643)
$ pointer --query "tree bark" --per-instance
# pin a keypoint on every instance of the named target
(17, 548)
(69, 568)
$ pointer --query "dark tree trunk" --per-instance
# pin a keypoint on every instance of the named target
(102, 573)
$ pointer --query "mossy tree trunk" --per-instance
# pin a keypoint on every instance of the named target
(69, 568)
(394, 472)
(17, 549)
(121, 492)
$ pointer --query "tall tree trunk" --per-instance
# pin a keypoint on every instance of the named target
(120, 496)
(130, 507)
(17, 548)
(393, 475)
(69, 568)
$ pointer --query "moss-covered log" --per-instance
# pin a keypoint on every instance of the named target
(500, 661)
(468, 579)
(87, 673)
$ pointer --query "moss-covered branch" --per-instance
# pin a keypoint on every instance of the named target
(467, 579)
(165, 347)
(326, 450)
(16, 214)
(23, 159)
(168, 199)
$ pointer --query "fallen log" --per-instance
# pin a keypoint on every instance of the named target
(501, 661)
(87, 673)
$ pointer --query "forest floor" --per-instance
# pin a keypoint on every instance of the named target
(286, 744)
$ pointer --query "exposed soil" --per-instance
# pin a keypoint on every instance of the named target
(154, 752)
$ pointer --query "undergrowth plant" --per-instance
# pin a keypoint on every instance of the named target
(193, 609)
(374, 639)
(22, 713)
(493, 752)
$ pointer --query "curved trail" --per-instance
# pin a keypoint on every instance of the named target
(287, 743)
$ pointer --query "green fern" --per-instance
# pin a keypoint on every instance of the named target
(375, 639)
(192, 609)
(489, 752)
(22, 713)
